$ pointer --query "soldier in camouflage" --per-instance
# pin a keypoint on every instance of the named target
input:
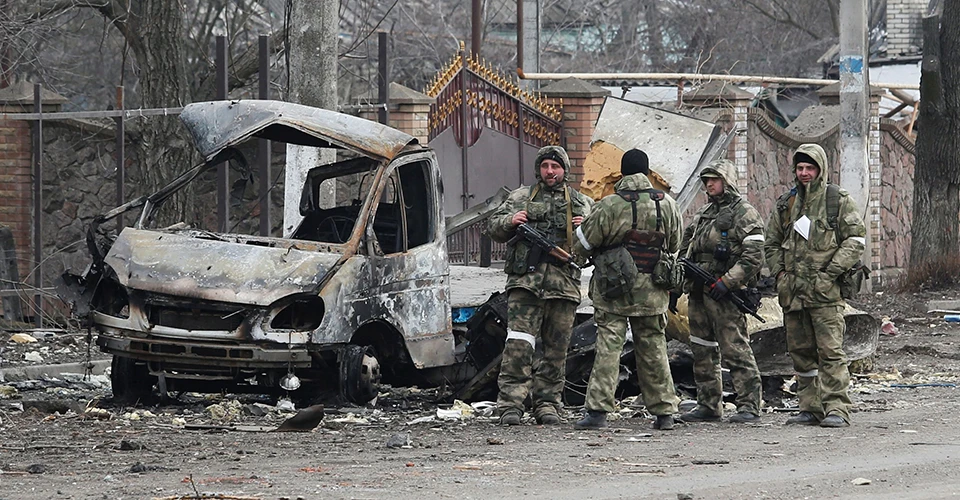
(726, 239)
(807, 253)
(542, 293)
(642, 307)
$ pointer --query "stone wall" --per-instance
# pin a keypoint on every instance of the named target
(896, 199)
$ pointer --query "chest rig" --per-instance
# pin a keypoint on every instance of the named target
(645, 246)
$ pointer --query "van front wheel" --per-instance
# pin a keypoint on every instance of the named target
(359, 374)
(131, 380)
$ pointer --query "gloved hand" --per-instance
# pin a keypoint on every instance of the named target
(672, 307)
(718, 290)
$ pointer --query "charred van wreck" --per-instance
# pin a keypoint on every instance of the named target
(359, 291)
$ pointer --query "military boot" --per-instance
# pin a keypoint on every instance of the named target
(699, 414)
(593, 420)
(834, 420)
(510, 416)
(663, 422)
(803, 418)
(547, 416)
(745, 417)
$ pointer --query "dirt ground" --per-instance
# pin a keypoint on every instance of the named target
(903, 443)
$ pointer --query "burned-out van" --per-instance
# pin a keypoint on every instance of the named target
(361, 288)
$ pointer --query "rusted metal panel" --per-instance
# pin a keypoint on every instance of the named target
(186, 265)
(220, 124)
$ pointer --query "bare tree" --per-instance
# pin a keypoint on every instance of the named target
(935, 245)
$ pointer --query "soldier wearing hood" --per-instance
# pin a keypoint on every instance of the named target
(725, 239)
(542, 292)
(631, 233)
(807, 252)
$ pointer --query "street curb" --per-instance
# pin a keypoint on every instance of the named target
(21, 373)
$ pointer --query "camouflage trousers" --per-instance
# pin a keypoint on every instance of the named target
(815, 342)
(531, 320)
(650, 351)
(718, 330)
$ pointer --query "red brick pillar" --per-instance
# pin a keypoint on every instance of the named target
(408, 111)
(581, 103)
(16, 175)
(16, 167)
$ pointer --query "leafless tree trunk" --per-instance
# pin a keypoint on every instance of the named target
(936, 190)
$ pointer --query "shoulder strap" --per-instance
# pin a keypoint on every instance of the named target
(632, 196)
(833, 205)
(534, 189)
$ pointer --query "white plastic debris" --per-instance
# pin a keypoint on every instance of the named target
(484, 408)
(421, 420)
(860, 481)
(451, 414)
(286, 404)
(23, 338)
(888, 328)
(33, 357)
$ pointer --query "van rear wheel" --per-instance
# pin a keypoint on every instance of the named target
(131, 380)
(359, 374)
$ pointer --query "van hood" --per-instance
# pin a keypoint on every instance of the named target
(218, 125)
(186, 266)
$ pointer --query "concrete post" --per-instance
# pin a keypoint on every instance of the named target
(855, 107)
(529, 13)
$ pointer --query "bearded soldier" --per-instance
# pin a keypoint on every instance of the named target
(726, 240)
(814, 236)
(633, 237)
(542, 292)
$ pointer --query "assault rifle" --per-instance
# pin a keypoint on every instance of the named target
(735, 296)
(540, 240)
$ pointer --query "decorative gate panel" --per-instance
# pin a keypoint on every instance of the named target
(484, 141)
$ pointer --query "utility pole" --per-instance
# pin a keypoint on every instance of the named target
(528, 38)
(313, 82)
(855, 109)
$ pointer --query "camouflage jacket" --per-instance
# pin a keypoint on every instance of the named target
(812, 265)
(612, 217)
(744, 238)
(546, 211)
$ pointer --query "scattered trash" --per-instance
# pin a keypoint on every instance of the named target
(130, 446)
(178, 421)
(97, 413)
(951, 318)
(227, 411)
(927, 384)
(428, 418)
(684, 496)
(305, 420)
(36, 469)
(861, 481)
(888, 328)
(286, 404)
(451, 414)
(22, 338)
(7, 391)
(33, 357)
(410, 464)
(908, 431)
(399, 440)
(484, 408)
(494, 441)
(710, 462)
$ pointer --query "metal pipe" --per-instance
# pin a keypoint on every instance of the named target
(701, 77)
(476, 26)
(223, 187)
(38, 205)
(263, 145)
(520, 36)
(120, 157)
(383, 78)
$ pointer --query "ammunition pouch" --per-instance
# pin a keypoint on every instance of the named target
(615, 272)
(645, 248)
(667, 273)
(851, 282)
(517, 258)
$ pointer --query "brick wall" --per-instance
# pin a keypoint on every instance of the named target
(16, 185)
(904, 30)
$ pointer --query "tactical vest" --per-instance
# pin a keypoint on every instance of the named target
(522, 257)
(645, 246)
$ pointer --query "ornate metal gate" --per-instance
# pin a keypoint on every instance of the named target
(486, 131)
